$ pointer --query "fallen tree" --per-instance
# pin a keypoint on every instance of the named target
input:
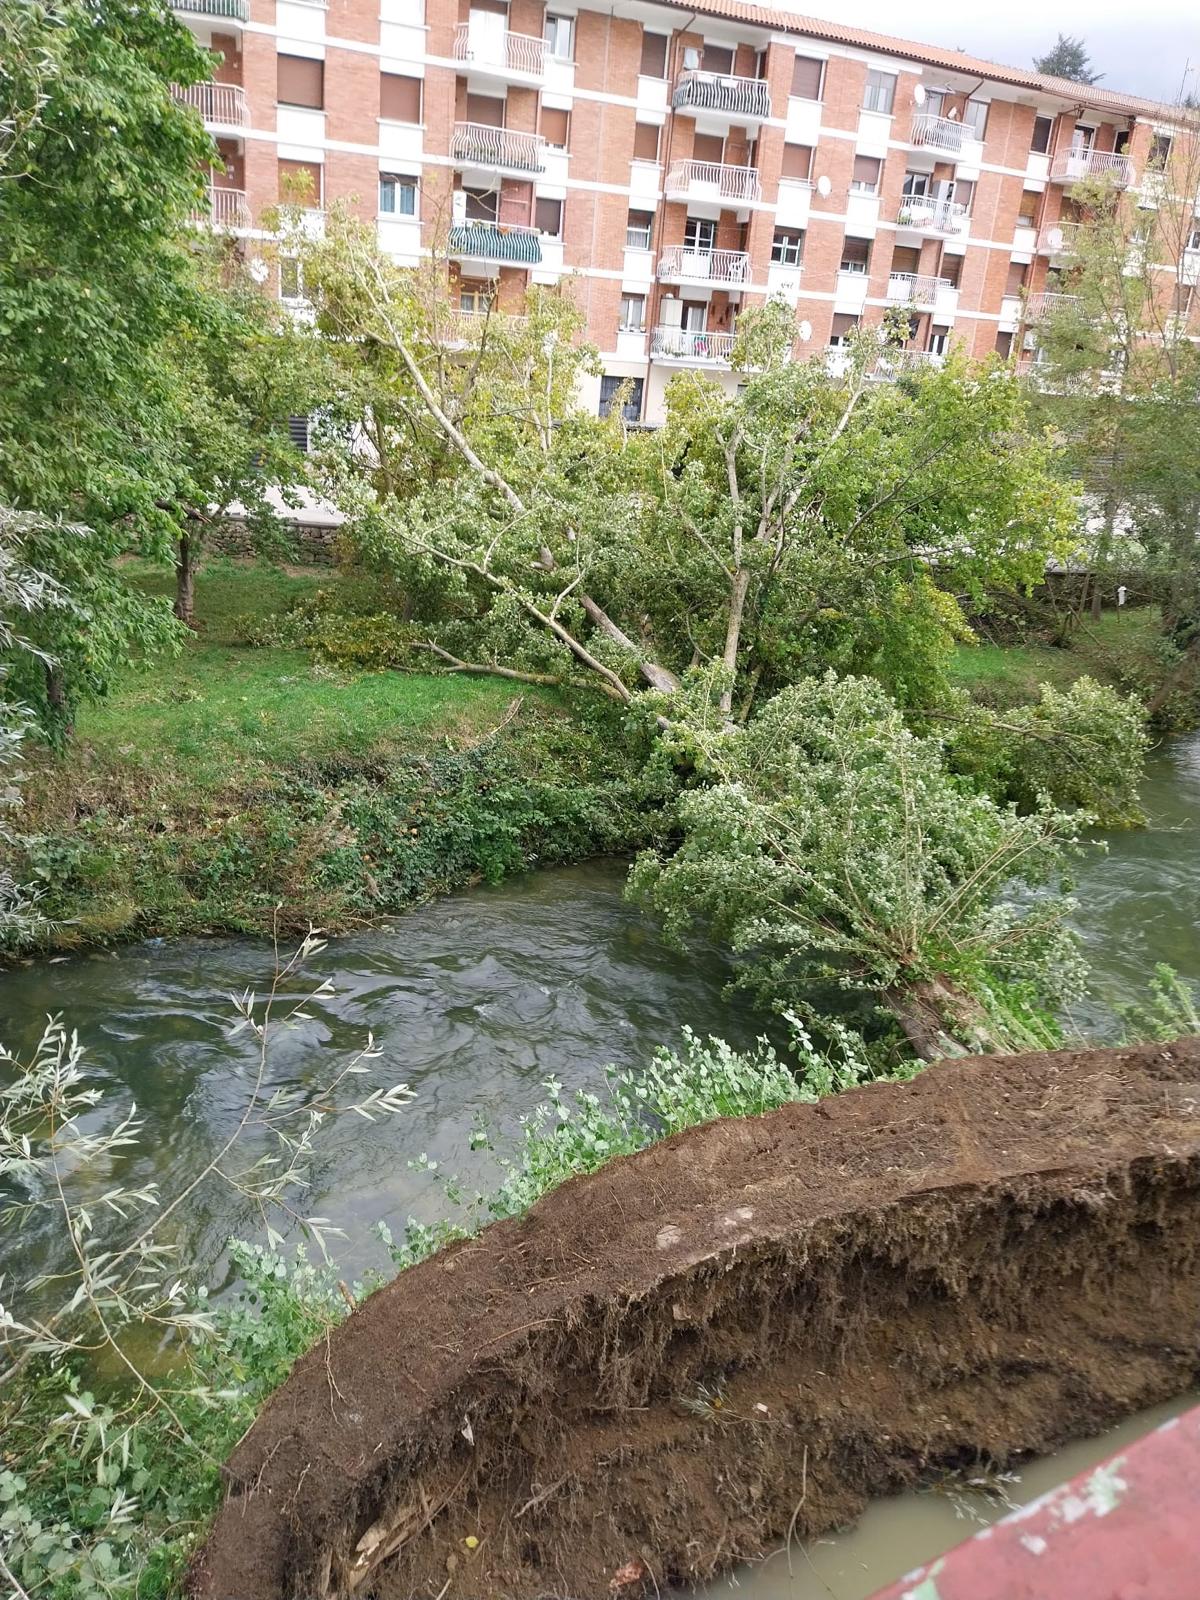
(738, 1336)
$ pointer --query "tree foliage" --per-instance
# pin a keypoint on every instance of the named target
(1067, 58)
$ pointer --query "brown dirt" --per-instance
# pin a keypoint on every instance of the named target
(749, 1328)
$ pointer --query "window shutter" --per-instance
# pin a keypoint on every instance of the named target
(300, 81)
(806, 78)
(485, 109)
(302, 176)
(399, 98)
(654, 55)
(553, 126)
(547, 215)
(964, 192)
(842, 325)
(717, 58)
(1016, 278)
(866, 169)
(797, 161)
(708, 147)
(645, 141)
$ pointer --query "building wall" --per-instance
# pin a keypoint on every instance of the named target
(599, 179)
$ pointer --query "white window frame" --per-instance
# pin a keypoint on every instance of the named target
(555, 26)
(637, 303)
(879, 82)
(398, 181)
(633, 228)
(790, 247)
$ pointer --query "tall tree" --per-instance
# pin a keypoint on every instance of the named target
(1067, 58)
(1119, 369)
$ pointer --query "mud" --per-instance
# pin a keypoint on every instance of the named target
(741, 1334)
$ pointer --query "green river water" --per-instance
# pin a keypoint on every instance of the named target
(476, 1000)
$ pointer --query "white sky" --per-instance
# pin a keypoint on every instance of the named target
(1142, 48)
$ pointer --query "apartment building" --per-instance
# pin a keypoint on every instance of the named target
(679, 162)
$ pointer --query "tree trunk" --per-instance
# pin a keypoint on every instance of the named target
(733, 634)
(185, 580)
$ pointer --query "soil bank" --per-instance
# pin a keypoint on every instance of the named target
(742, 1333)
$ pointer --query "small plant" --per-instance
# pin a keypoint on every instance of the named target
(1171, 1012)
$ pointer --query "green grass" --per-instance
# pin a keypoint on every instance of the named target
(220, 714)
(1121, 650)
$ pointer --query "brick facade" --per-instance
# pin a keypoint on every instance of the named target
(956, 217)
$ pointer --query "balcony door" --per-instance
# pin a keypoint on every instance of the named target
(1082, 140)
(487, 23)
(694, 316)
(699, 237)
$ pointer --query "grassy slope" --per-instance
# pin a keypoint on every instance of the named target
(1120, 650)
(210, 787)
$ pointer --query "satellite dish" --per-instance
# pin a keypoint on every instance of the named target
(824, 187)
(805, 331)
(919, 94)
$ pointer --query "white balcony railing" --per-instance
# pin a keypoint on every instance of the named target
(520, 53)
(894, 363)
(681, 344)
(1039, 306)
(938, 133)
(219, 104)
(478, 144)
(227, 10)
(916, 288)
(1059, 239)
(721, 93)
(702, 180)
(931, 216)
(703, 266)
(1072, 166)
(226, 208)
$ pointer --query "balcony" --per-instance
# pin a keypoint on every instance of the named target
(222, 10)
(495, 244)
(896, 363)
(1040, 306)
(939, 133)
(917, 289)
(1058, 240)
(721, 268)
(477, 144)
(1073, 166)
(691, 349)
(718, 95)
(518, 58)
(221, 105)
(225, 208)
(926, 215)
(711, 181)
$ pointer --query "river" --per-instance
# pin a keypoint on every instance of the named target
(476, 1000)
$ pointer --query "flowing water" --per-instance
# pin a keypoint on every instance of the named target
(476, 1000)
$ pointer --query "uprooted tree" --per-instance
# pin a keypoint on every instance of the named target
(809, 520)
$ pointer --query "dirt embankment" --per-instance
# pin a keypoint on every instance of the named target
(748, 1329)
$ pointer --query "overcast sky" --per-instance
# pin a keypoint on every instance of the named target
(1141, 47)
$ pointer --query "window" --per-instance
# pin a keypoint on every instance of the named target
(300, 182)
(1028, 209)
(298, 433)
(560, 37)
(474, 299)
(880, 92)
(1193, 239)
(1043, 128)
(699, 234)
(808, 74)
(1015, 281)
(856, 255)
(939, 340)
(654, 55)
(291, 279)
(1004, 344)
(1082, 138)
(397, 195)
(787, 247)
(555, 127)
(717, 58)
(645, 141)
(633, 313)
(637, 230)
(905, 258)
(1160, 151)
(839, 333)
(300, 81)
(797, 162)
(708, 147)
(486, 109)
(865, 178)
(950, 270)
(916, 184)
(548, 215)
(975, 115)
(399, 98)
(631, 392)
(963, 192)
(483, 205)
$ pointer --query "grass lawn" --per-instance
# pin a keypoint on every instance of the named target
(1121, 650)
(220, 713)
